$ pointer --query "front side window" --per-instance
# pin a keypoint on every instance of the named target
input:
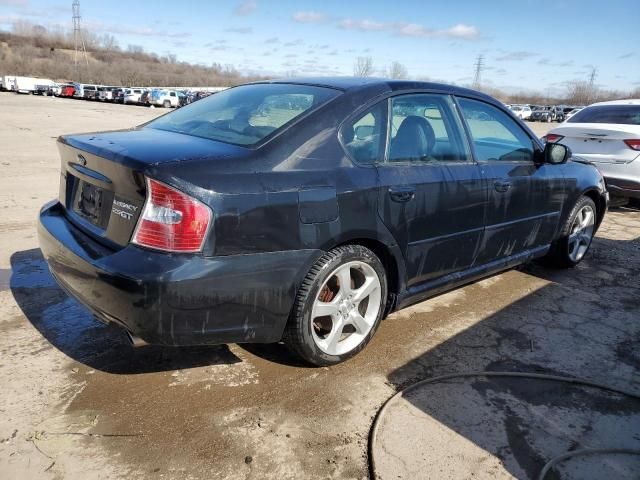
(364, 136)
(496, 136)
(247, 114)
(620, 114)
(424, 128)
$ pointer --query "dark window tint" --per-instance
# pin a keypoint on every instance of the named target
(247, 114)
(364, 136)
(496, 136)
(621, 114)
(425, 129)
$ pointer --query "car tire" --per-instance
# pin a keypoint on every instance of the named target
(576, 236)
(549, 119)
(166, 104)
(352, 315)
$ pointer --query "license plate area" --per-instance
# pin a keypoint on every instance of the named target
(92, 203)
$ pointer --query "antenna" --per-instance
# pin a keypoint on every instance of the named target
(479, 66)
(78, 39)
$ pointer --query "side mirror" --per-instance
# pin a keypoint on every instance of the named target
(364, 131)
(556, 153)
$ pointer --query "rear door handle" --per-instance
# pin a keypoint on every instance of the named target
(402, 194)
(502, 185)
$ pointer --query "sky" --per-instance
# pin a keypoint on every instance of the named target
(532, 45)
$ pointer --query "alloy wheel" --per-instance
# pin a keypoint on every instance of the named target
(581, 233)
(346, 308)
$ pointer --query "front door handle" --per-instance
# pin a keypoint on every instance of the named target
(402, 194)
(502, 185)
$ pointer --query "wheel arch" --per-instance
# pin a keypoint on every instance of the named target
(600, 201)
(392, 261)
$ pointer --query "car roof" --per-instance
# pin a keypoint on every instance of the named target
(630, 101)
(356, 83)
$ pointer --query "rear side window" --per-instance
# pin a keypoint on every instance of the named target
(620, 114)
(496, 136)
(364, 137)
(247, 114)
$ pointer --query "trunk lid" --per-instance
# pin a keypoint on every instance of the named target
(102, 183)
(600, 142)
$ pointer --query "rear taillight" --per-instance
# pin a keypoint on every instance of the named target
(552, 138)
(171, 220)
(633, 144)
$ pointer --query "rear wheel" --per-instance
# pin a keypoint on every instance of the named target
(166, 104)
(577, 235)
(338, 307)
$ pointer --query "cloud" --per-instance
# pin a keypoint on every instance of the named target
(459, 31)
(247, 7)
(547, 61)
(516, 56)
(131, 30)
(309, 16)
(365, 25)
(272, 40)
(13, 3)
(626, 55)
(293, 43)
(240, 30)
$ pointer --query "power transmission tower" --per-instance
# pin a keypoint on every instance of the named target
(78, 39)
(479, 66)
(592, 85)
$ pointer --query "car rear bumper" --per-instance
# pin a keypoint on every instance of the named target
(172, 299)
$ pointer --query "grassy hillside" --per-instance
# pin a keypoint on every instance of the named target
(50, 54)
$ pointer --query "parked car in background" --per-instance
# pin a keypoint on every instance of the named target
(145, 97)
(523, 112)
(105, 94)
(132, 95)
(67, 90)
(164, 98)
(607, 134)
(118, 95)
(90, 92)
(546, 114)
(572, 112)
(305, 211)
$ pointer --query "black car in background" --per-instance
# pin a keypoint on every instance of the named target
(307, 210)
(547, 114)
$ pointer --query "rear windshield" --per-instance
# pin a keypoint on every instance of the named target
(247, 114)
(621, 114)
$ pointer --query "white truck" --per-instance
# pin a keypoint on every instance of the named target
(8, 82)
(32, 85)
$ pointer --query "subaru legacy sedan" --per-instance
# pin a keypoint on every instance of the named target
(305, 211)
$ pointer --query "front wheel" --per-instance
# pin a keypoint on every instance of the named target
(338, 307)
(577, 235)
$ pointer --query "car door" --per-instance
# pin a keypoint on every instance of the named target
(525, 195)
(431, 193)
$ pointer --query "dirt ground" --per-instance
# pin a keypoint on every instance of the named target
(77, 402)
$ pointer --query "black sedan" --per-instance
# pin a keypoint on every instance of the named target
(305, 211)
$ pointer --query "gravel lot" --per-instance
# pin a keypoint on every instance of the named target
(78, 402)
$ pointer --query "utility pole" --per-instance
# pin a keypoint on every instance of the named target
(78, 39)
(479, 65)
